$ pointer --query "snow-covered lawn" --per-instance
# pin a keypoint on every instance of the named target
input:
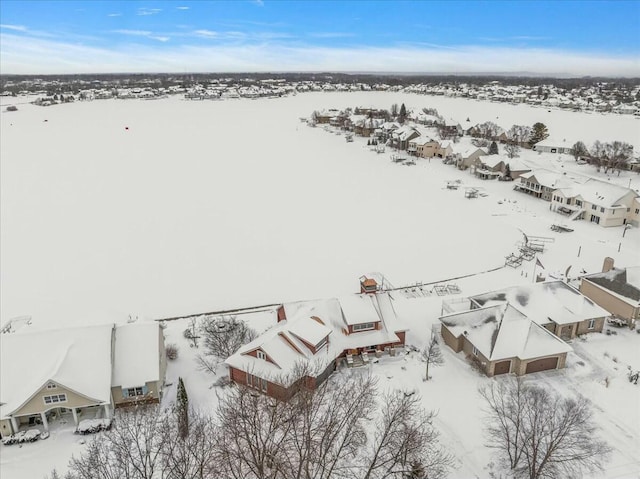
(201, 206)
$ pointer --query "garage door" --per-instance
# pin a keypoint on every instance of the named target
(502, 367)
(542, 365)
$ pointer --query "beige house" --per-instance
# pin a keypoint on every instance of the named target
(445, 149)
(501, 340)
(423, 147)
(468, 158)
(519, 329)
(45, 375)
(542, 183)
(598, 202)
(615, 289)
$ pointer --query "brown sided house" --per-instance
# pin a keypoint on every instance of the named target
(501, 340)
(615, 289)
(303, 349)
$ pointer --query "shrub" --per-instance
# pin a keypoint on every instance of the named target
(171, 351)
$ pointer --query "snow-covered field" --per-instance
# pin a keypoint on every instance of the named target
(170, 207)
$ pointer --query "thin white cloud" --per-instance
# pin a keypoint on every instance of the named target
(114, 15)
(137, 33)
(260, 3)
(148, 11)
(142, 33)
(205, 33)
(31, 55)
(182, 8)
(17, 28)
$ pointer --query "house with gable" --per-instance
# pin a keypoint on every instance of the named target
(468, 157)
(597, 201)
(554, 145)
(401, 137)
(311, 338)
(615, 289)
(502, 340)
(521, 329)
(423, 147)
(542, 183)
(73, 373)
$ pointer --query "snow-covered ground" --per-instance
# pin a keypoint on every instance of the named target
(169, 207)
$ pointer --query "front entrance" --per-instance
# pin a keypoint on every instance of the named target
(595, 219)
(566, 332)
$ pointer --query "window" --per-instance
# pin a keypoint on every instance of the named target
(52, 385)
(637, 210)
(261, 355)
(475, 351)
(592, 323)
(132, 392)
(601, 210)
(578, 203)
(256, 382)
(594, 207)
(363, 326)
(55, 398)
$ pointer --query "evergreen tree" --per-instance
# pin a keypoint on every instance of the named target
(493, 149)
(182, 410)
(507, 171)
(403, 113)
(539, 133)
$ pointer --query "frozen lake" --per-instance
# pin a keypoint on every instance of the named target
(200, 206)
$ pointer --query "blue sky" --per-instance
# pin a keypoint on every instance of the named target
(559, 37)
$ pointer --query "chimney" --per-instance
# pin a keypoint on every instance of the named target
(608, 264)
(281, 313)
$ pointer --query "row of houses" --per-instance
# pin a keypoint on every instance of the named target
(74, 373)
(520, 330)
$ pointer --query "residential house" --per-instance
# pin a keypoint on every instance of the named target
(597, 201)
(450, 128)
(615, 289)
(468, 157)
(555, 305)
(310, 339)
(423, 147)
(489, 167)
(401, 137)
(554, 145)
(71, 372)
(445, 150)
(502, 340)
(541, 183)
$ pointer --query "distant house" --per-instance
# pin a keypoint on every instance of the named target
(615, 289)
(401, 137)
(554, 145)
(597, 201)
(502, 340)
(541, 183)
(468, 157)
(304, 348)
(423, 147)
(489, 167)
(445, 149)
(76, 372)
(450, 128)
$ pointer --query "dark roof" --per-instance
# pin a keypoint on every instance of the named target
(616, 281)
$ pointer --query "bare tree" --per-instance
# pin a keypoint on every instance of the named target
(404, 441)
(223, 336)
(132, 449)
(579, 150)
(512, 150)
(519, 135)
(432, 355)
(539, 434)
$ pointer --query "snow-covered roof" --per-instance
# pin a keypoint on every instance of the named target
(310, 329)
(599, 192)
(312, 321)
(358, 309)
(549, 178)
(77, 358)
(137, 354)
(500, 332)
(622, 282)
(494, 160)
(545, 302)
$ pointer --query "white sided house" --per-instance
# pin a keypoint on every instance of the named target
(554, 145)
(310, 339)
(542, 183)
(45, 375)
(598, 202)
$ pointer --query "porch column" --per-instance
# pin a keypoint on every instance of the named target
(45, 423)
(107, 411)
(74, 411)
(14, 424)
